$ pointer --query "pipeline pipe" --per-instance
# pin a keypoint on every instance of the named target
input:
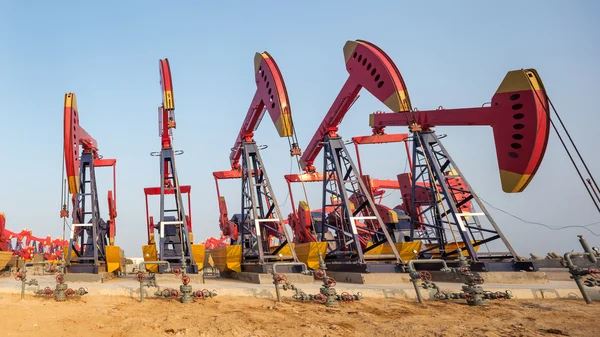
(590, 253)
(24, 276)
(413, 272)
(31, 264)
(577, 277)
(274, 273)
(143, 265)
(574, 270)
(411, 264)
(304, 268)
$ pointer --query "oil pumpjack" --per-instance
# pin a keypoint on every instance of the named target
(519, 118)
(174, 228)
(260, 219)
(91, 246)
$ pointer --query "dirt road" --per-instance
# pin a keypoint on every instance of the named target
(247, 316)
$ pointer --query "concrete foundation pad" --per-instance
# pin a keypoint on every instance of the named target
(374, 278)
(129, 287)
(260, 278)
(496, 277)
(86, 277)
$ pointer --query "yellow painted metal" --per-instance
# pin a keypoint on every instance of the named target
(308, 253)
(4, 258)
(198, 253)
(227, 258)
(150, 254)
(450, 247)
(115, 259)
(285, 250)
(191, 236)
(65, 251)
(405, 249)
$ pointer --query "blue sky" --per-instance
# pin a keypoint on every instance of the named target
(450, 53)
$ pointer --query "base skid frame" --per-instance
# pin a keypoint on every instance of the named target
(85, 268)
(366, 268)
(485, 266)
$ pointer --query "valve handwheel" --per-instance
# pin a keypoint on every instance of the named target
(320, 298)
(176, 271)
(140, 276)
(320, 273)
(174, 293)
(595, 272)
(48, 291)
(83, 290)
(60, 278)
(347, 297)
(331, 282)
(69, 292)
(200, 294)
(18, 276)
(186, 280)
(281, 278)
(425, 276)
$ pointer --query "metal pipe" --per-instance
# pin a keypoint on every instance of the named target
(274, 273)
(590, 253)
(143, 264)
(413, 271)
(411, 264)
(304, 271)
(577, 277)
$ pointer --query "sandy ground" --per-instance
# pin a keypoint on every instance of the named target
(249, 316)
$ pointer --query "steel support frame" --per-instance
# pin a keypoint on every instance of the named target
(430, 161)
(341, 178)
(260, 215)
(92, 237)
(182, 243)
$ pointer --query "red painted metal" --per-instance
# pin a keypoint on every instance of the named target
(167, 121)
(271, 94)
(368, 67)
(519, 119)
(74, 137)
(184, 189)
(77, 139)
(3, 235)
(379, 137)
(296, 178)
(227, 227)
